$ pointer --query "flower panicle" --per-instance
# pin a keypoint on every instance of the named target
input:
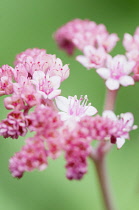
(60, 124)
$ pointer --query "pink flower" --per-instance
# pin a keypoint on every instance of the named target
(131, 42)
(57, 69)
(133, 55)
(20, 71)
(6, 76)
(76, 153)
(33, 53)
(80, 33)
(108, 127)
(14, 126)
(46, 86)
(124, 124)
(28, 63)
(32, 156)
(40, 125)
(14, 102)
(77, 148)
(47, 123)
(26, 91)
(107, 41)
(74, 108)
(117, 72)
(92, 58)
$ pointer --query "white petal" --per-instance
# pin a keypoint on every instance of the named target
(62, 103)
(64, 116)
(120, 142)
(127, 41)
(83, 60)
(54, 93)
(91, 111)
(110, 114)
(103, 72)
(55, 81)
(58, 61)
(112, 84)
(128, 118)
(126, 80)
(38, 75)
(89, 50)
(129, 67)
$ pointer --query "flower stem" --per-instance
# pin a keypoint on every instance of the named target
(98, 156)
(110, 99)
(104, 183)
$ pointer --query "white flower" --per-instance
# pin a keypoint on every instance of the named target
(72, 107)
(117, 72)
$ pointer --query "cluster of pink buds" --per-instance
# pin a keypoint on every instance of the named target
(66, 125)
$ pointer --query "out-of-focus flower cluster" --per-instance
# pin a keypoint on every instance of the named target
(63, 125)
(131, 44)
(96, 43)
(81, 33)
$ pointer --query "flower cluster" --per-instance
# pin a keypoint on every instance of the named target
(96, 43)
(65, 125)
(80, 33)
(131, 44)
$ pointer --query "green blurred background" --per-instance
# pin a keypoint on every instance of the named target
(31, 23)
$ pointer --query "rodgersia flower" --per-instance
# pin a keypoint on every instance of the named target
(74, 108)
(29, 53)
(45, 85)
(92, 58)
(32, 156)
(77, 149)
(44, 121)
(14, 126)
(28, 63)
(123, 125)
(131, 42)
(81, 33)
(68, 125)
(46, 143)
(117, 72)
(108, 127)
(133, 55)
(6, 77)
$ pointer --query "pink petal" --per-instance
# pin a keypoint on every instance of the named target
(103, 72)
(112, 84)
(126, 80)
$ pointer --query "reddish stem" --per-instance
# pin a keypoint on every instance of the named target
(98, 156)
(110, 99)
(101, 170)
